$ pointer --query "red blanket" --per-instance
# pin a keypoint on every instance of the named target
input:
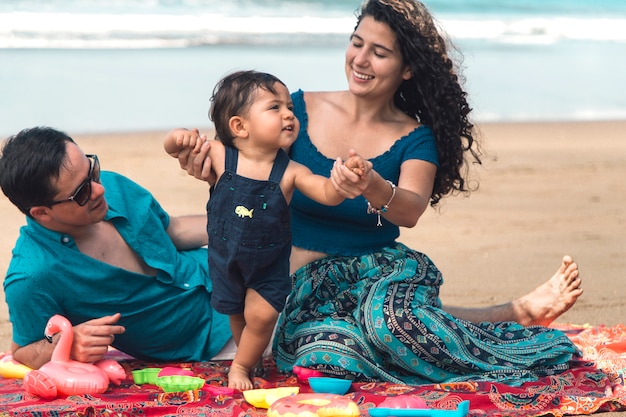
(594, 384)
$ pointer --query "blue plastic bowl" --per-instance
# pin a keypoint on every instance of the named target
(328, 385)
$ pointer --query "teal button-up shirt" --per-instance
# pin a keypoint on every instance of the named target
(167, 317)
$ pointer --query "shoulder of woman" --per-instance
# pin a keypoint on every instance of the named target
(406, 122)
(322, 96)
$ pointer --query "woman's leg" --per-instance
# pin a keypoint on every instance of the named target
(379, 317)
(541, 306)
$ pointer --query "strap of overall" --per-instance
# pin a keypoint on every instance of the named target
(280, 165)
(232, 155)
(278, 169)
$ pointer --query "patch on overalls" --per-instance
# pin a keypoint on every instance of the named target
(242, 212)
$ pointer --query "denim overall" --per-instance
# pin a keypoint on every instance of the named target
(248, 223)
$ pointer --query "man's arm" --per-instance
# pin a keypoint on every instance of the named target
(91, 341)
(188, 232)
(36, 354)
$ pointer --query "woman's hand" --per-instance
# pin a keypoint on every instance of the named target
(348, 183)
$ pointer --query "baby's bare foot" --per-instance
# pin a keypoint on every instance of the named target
(239, 378)
(551, 299)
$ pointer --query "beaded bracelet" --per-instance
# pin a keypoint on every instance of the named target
(385, 207)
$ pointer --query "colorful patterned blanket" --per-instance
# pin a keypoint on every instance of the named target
(594, 384)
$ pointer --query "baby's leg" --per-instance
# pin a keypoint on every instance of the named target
(260, 318)
(237, 324)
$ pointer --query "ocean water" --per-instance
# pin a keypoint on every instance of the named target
(119, 65)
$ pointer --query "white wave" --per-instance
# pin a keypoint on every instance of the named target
(539, 30)
(84, 30)
(23, 30)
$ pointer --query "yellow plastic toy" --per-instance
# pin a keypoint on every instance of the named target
(263, 398)
(10, 368)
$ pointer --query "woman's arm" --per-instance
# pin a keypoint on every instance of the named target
(412, 193)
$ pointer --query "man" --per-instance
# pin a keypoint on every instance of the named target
(123, 271)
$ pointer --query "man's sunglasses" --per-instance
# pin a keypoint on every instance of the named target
(83, 192)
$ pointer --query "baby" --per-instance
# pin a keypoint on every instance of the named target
(248, 210)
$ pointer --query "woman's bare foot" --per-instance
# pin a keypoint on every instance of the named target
(239, 377)
(551, 299)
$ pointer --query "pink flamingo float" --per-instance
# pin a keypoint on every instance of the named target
(64, 376)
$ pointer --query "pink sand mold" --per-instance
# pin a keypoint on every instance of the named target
(461, 411)
(303, 374)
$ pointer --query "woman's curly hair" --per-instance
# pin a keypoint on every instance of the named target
(433, 95)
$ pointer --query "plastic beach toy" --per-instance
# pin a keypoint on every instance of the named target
(461, 411)
(403, 401)
(172, 370)
(329, 385)
(10, 368)
(218, 390)
(65, 376)
(303, 374)
(169, 379)
(146, 375)
(179, 383)
(311, 404)
(263, 398)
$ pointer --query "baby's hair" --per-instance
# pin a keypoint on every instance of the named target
(233, 95)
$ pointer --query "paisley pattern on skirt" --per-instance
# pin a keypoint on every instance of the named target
(379, 317)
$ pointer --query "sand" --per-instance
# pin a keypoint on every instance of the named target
(545, 190)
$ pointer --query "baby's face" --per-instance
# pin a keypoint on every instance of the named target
(270, 119)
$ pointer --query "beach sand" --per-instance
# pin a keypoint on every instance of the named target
(546, 189)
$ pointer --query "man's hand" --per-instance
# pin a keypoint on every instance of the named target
(91, 341)
(93, 338)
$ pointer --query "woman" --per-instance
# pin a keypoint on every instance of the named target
(363, 305)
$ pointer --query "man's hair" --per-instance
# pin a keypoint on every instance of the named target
(233, 95)
(31, 162)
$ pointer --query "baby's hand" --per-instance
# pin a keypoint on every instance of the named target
(191, 139)
(358, 165)
(183, 141)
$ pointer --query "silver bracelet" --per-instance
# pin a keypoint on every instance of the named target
(385, 207)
